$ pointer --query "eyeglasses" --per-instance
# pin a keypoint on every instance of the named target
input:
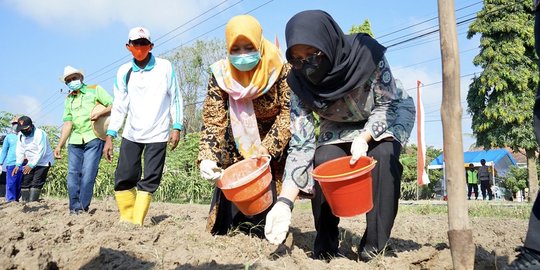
(313, 59)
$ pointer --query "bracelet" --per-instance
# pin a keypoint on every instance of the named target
(286, 201)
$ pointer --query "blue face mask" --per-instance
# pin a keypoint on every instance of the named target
(245, 62)
(75, 85)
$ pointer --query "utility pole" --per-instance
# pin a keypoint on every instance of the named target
(459, 233)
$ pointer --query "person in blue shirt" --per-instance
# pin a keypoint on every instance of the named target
(7, 160)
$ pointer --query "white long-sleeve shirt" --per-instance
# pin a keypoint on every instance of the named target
(151, 100)
(35, 148)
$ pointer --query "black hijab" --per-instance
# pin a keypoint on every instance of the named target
(354, 57)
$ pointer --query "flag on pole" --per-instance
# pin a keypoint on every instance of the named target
(421, 151)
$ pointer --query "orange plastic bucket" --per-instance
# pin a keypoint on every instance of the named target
(347, 188)
(247, 185)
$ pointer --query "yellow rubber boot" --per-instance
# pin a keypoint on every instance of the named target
(125, 199)
(142, 203)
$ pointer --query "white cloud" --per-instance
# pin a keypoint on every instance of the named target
(62, 15)
(42, 112)
(23, 105)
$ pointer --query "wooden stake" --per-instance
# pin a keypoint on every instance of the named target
(459, 233)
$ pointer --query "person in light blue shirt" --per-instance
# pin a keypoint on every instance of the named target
(7, 160)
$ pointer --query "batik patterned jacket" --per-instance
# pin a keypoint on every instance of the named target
(379, 107)
(273, 119)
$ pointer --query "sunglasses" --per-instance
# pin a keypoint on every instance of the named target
(139, 43)
(70, 79)
(313, 59)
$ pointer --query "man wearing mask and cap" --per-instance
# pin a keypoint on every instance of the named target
(146, 89)
(84, 147)
(32, 144)
(7, 160)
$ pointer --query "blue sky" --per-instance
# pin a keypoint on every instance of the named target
(41, 37)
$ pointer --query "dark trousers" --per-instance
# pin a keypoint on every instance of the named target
(3, 184)
(129, 168)
(36, 178)
(470, 188)
(229, 217)
(3, 178)
(532, 240)
(485, 187)
(386, 191)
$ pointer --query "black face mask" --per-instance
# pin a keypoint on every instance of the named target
(27, 132)
(316, 73)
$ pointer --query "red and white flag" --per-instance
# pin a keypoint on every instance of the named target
(421, 151)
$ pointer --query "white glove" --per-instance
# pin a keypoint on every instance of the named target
(359, 148)
(277, 223)
(209, 170)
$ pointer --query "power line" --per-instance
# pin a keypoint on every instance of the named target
(428, 20)
(433, 39)
(426, 34)
(173, 37)
(203, 34)
(431, 27)
(164, 35)
(45, 101)
(439, 82)
(198, 102)
(124, 57)
(229, 7)
(431, 60)
(196, 18)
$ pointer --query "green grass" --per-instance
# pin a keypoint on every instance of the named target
(476, 209)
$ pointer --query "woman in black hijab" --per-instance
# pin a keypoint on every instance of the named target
(346, 81)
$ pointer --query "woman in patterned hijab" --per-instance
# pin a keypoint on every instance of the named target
(347, 82)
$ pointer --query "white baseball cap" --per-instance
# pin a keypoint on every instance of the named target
(139, 32)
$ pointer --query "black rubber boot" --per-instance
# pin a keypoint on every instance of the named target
(25, 194)
(34, 194)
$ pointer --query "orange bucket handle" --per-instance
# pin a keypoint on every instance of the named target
(347, 173)
(250, 176)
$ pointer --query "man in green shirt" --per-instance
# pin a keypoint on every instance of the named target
(472, 181)
(84, 148)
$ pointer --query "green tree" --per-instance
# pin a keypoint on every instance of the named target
(53, 132)
(192, 66)
(513, 181)
(5, 122)
(362, 28)
(409, 186)
(501, 97)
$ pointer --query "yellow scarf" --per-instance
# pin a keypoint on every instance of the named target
(244, 86)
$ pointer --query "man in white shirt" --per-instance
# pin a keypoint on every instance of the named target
(146, 89)
(32, 144)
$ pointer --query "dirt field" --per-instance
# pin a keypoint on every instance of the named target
(42, 235)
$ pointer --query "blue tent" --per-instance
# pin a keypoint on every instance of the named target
(500, 159)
